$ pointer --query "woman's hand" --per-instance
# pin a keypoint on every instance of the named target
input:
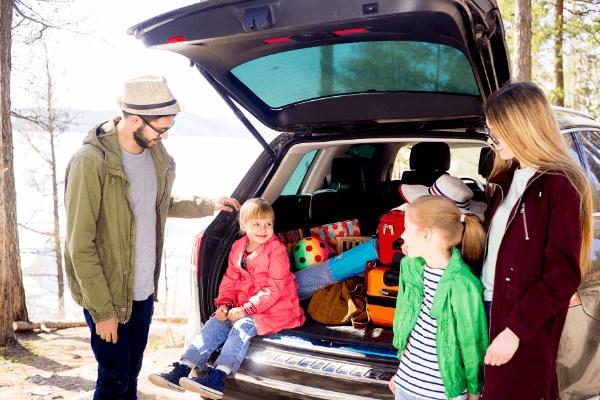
(392, 386)
(221, 313)
(235, 314)
(502, 349)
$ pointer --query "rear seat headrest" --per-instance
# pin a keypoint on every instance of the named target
(432, 156)
(486, 161)
(352, 172)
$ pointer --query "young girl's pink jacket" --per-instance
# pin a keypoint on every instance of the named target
(266, 289)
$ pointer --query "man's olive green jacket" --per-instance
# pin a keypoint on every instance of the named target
(101, 227)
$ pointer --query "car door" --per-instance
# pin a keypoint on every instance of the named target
(578, 364)
(333, 66)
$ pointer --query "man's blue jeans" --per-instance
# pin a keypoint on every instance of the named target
(119, 364)
(234, 338)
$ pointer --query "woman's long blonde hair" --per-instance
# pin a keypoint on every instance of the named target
(442, 214)
(522, 117)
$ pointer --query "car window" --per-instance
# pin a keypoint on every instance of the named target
(360, 150)
(590, 143)
(401, 162)
(464, 162)
(572, 148)
(344, 69)
(293, 185)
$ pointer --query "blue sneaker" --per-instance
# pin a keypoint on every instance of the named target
(210, 385)
(170, 379)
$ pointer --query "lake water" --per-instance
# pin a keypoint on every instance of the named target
(207, 166)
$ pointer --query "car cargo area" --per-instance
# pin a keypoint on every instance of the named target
(319, 184)
(345, 190)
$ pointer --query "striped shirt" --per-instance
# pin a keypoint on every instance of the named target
(419, 372)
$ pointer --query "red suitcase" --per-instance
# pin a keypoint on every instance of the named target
(391, 226)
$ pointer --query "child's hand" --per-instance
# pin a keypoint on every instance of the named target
(405, 249)
(392, 386)
(235, 314)
(472, 396)
(502, 349)
(221, 313)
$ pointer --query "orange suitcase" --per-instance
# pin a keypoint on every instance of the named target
(381, 283)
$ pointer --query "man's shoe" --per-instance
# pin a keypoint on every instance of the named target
(170, 378)
(210, 385)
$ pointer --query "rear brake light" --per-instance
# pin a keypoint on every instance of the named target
(175, 39)
(195, 264)
(276, 40)
(349, 31)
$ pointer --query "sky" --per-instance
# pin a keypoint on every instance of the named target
(95, 65)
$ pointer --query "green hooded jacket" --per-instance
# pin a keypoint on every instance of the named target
(462, 332)
(101, 227)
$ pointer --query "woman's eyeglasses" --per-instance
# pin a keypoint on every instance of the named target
(488, 133)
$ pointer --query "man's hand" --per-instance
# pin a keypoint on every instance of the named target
(107, 329)
(221, 313)
(227, 204)
(502, 349)
(235, 314)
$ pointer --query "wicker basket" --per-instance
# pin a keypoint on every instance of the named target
(347, 242)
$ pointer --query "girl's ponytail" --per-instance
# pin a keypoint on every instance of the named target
(473, 242)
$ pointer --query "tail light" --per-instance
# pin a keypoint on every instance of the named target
(195, 264)
(175, 39)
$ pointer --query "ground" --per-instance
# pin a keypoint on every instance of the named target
(60, 364)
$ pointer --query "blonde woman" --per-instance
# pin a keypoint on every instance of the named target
(539, 243)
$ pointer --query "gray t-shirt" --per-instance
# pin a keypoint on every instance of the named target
(498, 227)
(140, 171)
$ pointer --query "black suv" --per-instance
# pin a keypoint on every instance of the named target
(366, 95)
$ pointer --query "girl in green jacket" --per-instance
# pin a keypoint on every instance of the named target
(440, 328)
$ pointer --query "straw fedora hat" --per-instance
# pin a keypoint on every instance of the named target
(448, 186)
(148, 95)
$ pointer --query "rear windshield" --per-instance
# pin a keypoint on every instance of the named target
(350, 68)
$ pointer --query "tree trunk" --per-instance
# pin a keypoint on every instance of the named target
(522, 40)
(559, 77)
(7, 334)
(51, 130)
(11, 233)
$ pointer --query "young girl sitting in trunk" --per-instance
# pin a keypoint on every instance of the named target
(440, 328)
(258, 295)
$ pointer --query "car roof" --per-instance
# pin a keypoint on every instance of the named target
(571, 119)
(424, 63)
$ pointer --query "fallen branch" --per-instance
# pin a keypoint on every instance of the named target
(174, 320)
(46, 326)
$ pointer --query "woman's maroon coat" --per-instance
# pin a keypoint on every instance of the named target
(537, 272)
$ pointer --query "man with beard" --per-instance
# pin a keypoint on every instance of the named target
(117, 198)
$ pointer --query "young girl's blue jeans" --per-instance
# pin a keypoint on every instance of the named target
(235, 339)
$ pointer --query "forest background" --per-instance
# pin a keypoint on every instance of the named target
(553, 43)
